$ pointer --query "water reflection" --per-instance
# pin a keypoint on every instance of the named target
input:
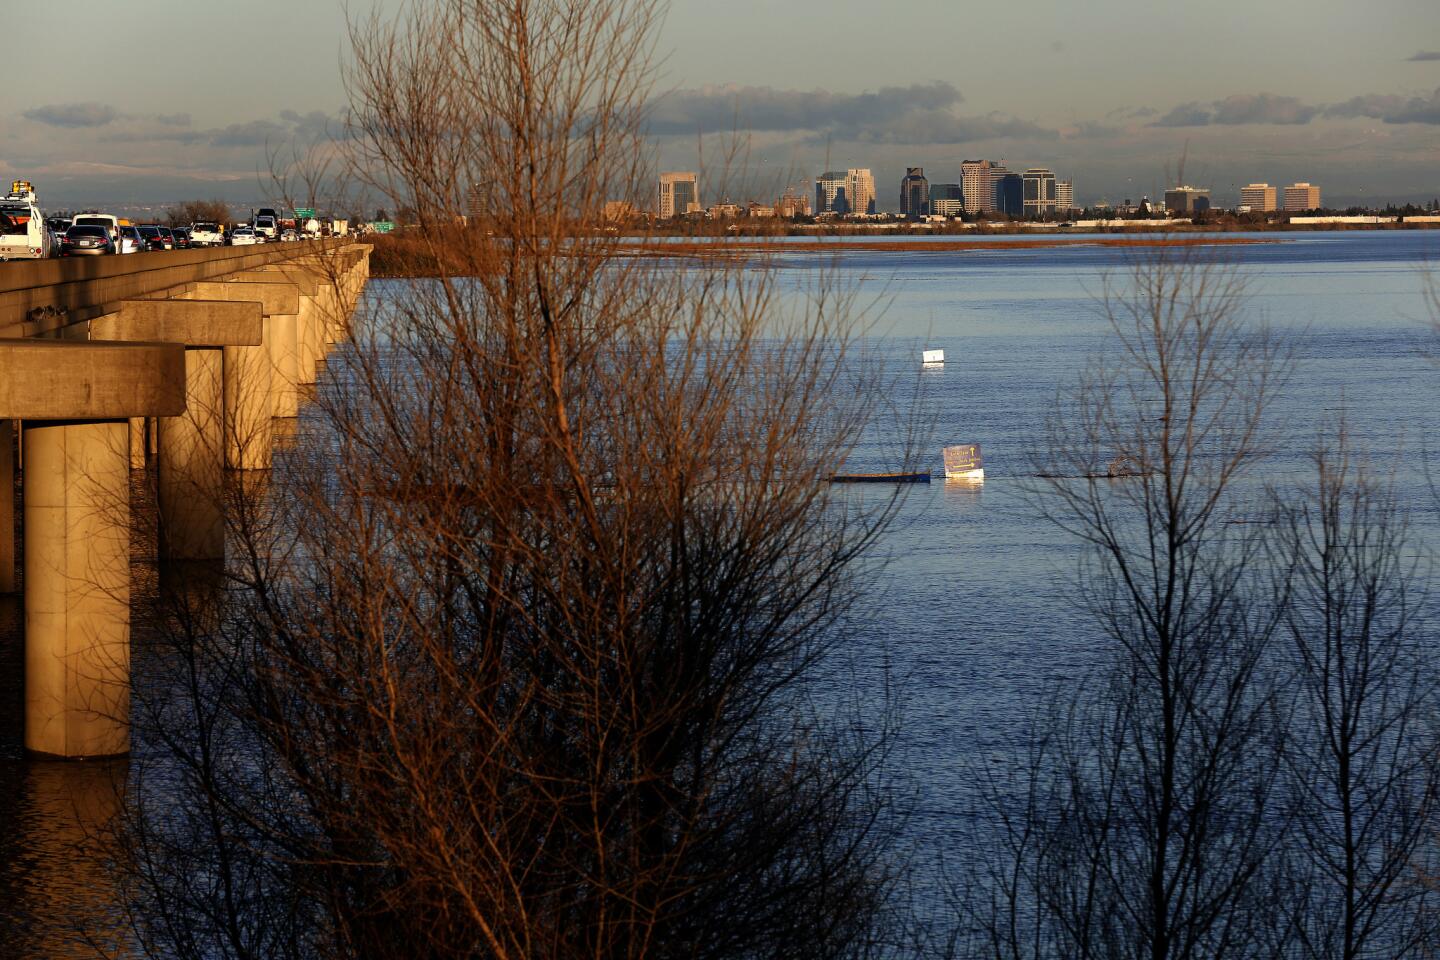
(962, 492)
(59, 898)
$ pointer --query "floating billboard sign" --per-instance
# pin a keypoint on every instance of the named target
(963, 462)
(933, 356)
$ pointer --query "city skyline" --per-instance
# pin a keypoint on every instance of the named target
(1350, 99)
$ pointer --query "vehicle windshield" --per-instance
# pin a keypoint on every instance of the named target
(206, 227)
(149, 231)
(92, 221)
(85, 232)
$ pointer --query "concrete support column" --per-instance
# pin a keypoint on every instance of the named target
(248, 407)
(192, 465)
(7, 507)
(138, 436)
(311, 335)
(334, 314)
(77, 587)
(283, 342)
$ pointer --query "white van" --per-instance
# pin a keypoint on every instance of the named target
(111, 223)
(267, 227)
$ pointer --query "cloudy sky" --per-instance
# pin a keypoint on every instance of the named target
(155, 100)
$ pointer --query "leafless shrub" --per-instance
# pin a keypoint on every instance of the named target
(515, 662)
(1145, 820)
(1363, 744)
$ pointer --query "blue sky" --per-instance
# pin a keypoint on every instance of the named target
(185, 95)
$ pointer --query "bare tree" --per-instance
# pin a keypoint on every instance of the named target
(1363, 744)
(515, 662)
(1145, 822)
(196, 211)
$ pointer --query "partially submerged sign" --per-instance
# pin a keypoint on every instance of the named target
(933, 356)
(963, 462)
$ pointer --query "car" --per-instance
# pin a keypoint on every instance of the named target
(131, 241)
(267, 227)
(206, 233)
(86, 240)
(289, 235)
(182, 237)
(109, 221)
(57, 227)
(151, 233)
(168, 237)
(243, 237)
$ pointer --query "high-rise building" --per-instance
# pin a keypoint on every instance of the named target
(478, 199)
(832, 193)
(1009, 192)
(1259, 197)
(1302, 196)
(978, 189)
(1185, 199)
(861, 188)
(1039, 192)
(679, 194)
(1064, 197)
(914, 193)
(946, 200)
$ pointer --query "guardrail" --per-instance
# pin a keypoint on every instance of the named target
(41, 296)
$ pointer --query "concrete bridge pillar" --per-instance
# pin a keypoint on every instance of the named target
(309, 327)
(77, 587)
(76, 398)
(138, 431)
(7, 507)
(253, 372)
(191, 445)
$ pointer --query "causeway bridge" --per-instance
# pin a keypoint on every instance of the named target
(191, 356)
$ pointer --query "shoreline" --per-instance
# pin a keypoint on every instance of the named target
(403, 256)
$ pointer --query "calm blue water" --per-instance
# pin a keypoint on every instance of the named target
(970, 612)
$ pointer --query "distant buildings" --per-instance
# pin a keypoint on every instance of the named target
(478, 199)
(1259, 197)
(1302, 196)
(1009, 192)
(979, 191)
(914, 193)
(792, 204)
(1039, 186)
(946, 200)
(1185, 199)
(679, 194)
(832, 193)
(619, 211)
(1065, 197)
(861, 186)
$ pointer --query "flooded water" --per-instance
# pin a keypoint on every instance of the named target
(971, 615)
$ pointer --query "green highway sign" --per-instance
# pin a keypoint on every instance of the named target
(304, 213)
(382, 226)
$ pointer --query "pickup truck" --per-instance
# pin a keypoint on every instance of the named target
(203, 233)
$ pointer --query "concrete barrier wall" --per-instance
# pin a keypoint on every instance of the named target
(40, 296)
